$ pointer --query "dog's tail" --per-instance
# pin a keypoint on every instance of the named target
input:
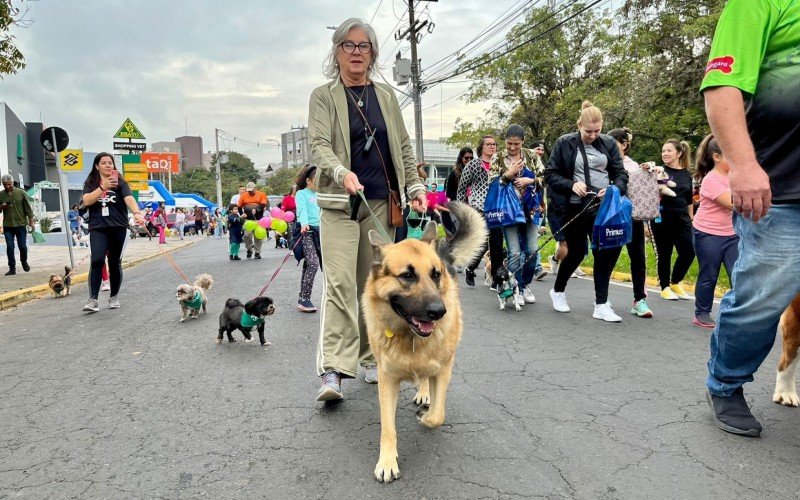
(67, 270)
(204, 281)
(470, 237)
(231, 303)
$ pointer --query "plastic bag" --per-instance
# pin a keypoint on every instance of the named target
(502, 207)
(613, 225)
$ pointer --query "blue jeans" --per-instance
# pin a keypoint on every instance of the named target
(521, 240)
(712, 253)
(764, 283)
(22, 240)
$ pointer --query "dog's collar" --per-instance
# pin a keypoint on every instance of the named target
(195, 303)
(249, 321)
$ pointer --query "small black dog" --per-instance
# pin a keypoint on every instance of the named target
(245, 317)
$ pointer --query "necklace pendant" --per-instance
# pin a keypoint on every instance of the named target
(360, 103)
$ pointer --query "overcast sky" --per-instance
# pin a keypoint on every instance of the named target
(177, 67)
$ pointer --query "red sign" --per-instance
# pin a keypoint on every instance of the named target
(162, 162)
(723, 64)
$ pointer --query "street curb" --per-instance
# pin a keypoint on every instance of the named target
(15, 298)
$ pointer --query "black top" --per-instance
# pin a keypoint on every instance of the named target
(683, 189)
(451, 185)
(114, 200)
(367, 165)
(560, 170)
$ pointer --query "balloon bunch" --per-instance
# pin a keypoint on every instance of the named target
(277, 220)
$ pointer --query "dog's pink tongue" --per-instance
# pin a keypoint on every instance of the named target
(424, 326)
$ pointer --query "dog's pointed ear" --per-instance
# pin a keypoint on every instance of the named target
(378, 243)
(431, 234)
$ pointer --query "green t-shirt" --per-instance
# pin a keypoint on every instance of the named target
(18, 211)
(756, 49)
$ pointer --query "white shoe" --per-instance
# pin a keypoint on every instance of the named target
(519, 300)
(579, 273)
(528, 295)
(559, 301)
(553, 264)
(604, 312)
(105, 286)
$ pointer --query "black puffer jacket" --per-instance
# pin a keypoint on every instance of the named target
(560, 171)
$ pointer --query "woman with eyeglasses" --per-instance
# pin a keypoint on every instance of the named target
(451, 184)
(472, 189)
(359, 143)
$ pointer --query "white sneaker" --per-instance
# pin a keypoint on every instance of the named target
(528, 295)
(604, 312)
(579, 273)
(105, 286)
(519, 299)
(553, 264)
(559, 301)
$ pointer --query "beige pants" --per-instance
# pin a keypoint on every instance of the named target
(346, 264)
(251, 241)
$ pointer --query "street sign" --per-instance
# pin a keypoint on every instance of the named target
(138, 186)
(72, 160)
(130, 146)
(136, 176)
(134, 167)
(62, 139)
(161, 162)
(128, 131)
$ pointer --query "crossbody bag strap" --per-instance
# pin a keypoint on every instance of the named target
(586, 177)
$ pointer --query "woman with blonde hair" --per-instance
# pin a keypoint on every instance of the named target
(583, 164)
(673, 230)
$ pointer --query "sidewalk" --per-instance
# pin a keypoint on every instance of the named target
(46, 260)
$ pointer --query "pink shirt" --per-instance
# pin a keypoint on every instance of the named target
(711, 217)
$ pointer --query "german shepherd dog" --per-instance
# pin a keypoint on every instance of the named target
(413, 317)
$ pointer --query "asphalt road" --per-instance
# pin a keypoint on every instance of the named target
(132, 404)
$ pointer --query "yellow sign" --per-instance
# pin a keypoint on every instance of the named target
(135, 176)
(138, 186)
(72, 160)
(128, 131)
(134, 167)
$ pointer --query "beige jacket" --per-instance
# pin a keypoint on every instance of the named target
(329, 134)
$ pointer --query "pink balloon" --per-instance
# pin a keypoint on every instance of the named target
(265, 222)
(288, 216)
(276, 213)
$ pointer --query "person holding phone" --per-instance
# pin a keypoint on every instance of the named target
(16, 212)
(108, 199)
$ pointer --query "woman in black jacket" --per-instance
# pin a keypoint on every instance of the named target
(572, 188)
(451, 184)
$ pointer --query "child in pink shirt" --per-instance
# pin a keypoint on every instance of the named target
(715, 242)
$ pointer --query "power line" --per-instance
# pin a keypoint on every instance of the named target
(376, 12)
(477, 65)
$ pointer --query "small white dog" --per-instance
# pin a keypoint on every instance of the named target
(193, 297)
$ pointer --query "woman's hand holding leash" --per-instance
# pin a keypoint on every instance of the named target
(351, 184)
(420, 204)
(579, 188)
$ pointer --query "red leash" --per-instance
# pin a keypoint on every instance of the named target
(275, 274)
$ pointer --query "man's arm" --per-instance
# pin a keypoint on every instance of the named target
(750, 189)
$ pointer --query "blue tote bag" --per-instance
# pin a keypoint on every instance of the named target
(502, 207)
(613, 225)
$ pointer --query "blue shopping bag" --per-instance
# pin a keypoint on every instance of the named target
(613, 225)
(502, 207)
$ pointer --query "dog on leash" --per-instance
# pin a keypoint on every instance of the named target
(245, 317)
(61, 285)
(413, 316)
(785, 383)
(194, 297)
(508, 288)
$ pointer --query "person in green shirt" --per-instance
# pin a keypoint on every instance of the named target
(752, 96)
(17, 212)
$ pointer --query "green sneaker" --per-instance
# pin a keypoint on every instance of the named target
(640, 309)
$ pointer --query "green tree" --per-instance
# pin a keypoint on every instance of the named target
(282, 180)
(196, 180)
(11, 59)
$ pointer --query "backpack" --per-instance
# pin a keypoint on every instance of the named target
(643, 193)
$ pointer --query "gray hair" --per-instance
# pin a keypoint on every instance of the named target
(330, 67)
(7, 178)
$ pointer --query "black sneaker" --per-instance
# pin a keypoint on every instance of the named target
(236, 257)
(11, 272)
(258, 255)
(731, 414)
(469, 277)
(26, 267)
(249, 253)
(230, 257)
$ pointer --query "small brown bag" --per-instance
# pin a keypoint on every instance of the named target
(395, 212)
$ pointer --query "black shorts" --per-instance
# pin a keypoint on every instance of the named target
(555, 227)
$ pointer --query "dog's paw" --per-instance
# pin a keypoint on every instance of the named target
(786, 398)
(517, 307)
(217, 341)
(182, 320)
(429, 420)
(387, 470)
(422, 410)
(422, 398)
(786, 389)
(231, 341)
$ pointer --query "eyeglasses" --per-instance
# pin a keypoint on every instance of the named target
(349, 47)
(468, 158)
(490, 144)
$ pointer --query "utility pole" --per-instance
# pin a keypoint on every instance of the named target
(217, 173)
